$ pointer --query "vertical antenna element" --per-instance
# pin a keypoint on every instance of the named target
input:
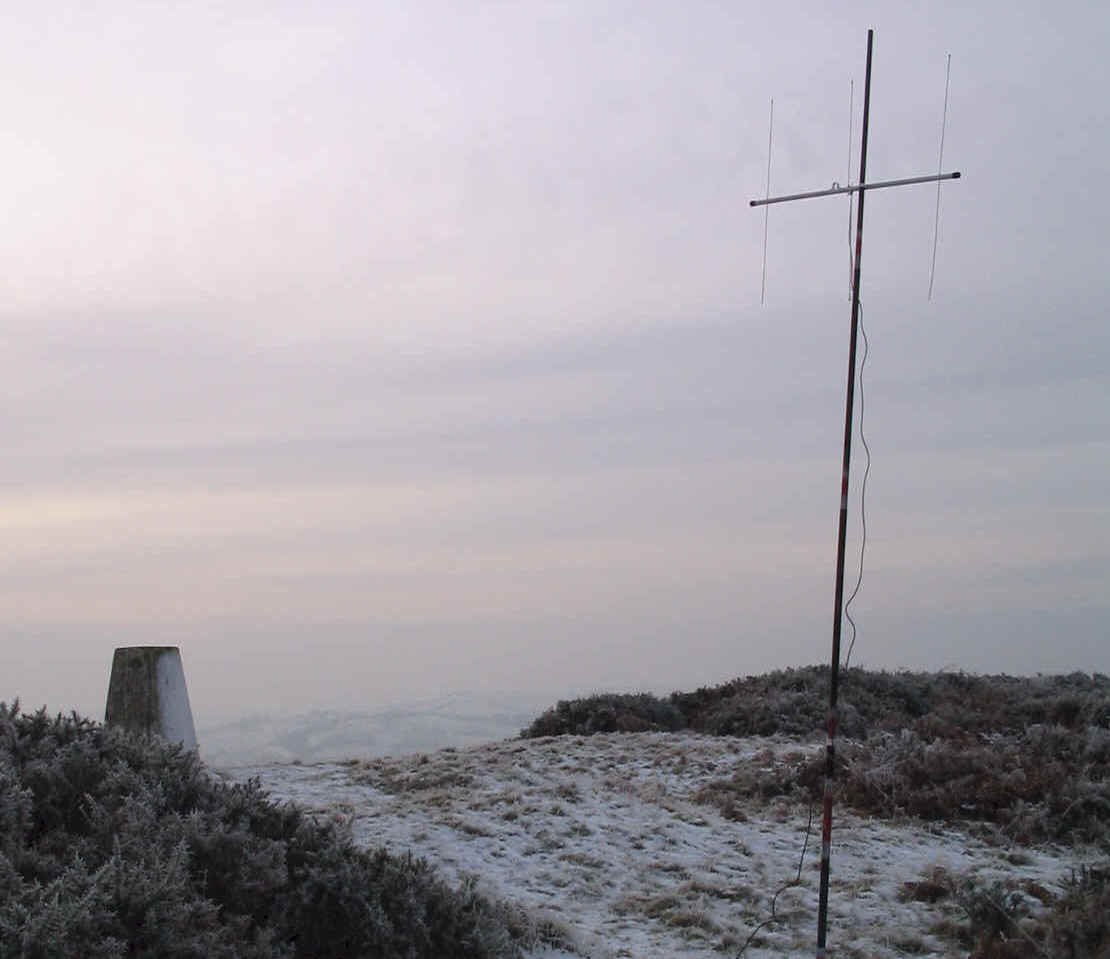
(940, 161)
(851, 200)
(770, 132)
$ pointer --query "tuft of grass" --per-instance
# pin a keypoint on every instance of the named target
(1078, 924)
(997, 922)
(931, 889)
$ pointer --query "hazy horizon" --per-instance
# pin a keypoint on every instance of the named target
(371, 354)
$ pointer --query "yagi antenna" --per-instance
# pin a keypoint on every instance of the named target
(838, 604)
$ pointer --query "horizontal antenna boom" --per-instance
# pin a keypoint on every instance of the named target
(878, 185)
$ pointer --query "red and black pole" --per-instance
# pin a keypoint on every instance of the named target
(838, 604)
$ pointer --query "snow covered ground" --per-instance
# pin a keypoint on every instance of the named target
(607, 839)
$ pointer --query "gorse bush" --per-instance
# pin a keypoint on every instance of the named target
(116, 845)
(607, 713)
(949, 705)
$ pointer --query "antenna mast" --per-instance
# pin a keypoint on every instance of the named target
(838, 604)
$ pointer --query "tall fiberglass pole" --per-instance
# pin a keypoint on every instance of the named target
(838, 605)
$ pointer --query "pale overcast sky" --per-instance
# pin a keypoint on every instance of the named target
(374, 351)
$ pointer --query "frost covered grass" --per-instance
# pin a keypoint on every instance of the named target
(617, 845)
(1026, 755)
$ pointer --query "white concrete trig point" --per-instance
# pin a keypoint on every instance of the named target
(147, 694)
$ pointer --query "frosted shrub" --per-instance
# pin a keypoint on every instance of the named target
(607, 713)
(117, 845)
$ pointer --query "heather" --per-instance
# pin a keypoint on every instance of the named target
(795, 702)
(116, 845)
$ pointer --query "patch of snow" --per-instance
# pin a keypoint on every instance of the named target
(610, 838)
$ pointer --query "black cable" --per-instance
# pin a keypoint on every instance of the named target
(863, 490)
(781, 889)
